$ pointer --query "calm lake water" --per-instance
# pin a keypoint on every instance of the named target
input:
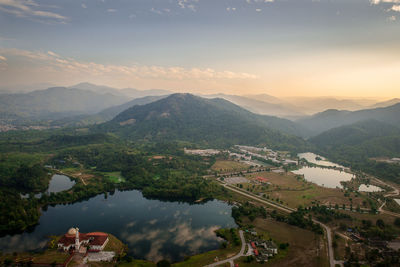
(59, 183)
(152, 229)
(324, 177)
(311, 157)
(369, 188)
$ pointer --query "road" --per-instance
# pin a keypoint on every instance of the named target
(230, 260)
(394, 193)
(328, 230)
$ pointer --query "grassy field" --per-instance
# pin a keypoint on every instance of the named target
(305, 247)
(229, 166)
(48, 256)
(294, 191)
(339, 250)
(114, 244)
(114, 177)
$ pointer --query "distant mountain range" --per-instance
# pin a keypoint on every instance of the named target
(129, 92)
(330, 119)
(387, 103)
(265, 105)
(56, 102)
(71, 105)
(104, 115)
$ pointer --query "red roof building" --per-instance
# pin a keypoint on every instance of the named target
(95, 241)
(262, 179)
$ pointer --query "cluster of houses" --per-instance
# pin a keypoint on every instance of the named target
(201, 152)
(246, 153)
(268, 154)
(260, 248)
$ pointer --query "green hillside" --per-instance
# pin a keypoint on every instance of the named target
(212, 122)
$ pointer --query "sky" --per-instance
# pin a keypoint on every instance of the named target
(284, 48)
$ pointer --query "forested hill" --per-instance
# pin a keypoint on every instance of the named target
(356, 144)
(330, 119)
(216, 122)
(355, 134)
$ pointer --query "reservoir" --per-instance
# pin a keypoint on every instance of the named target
(152, 229)
(330, 178)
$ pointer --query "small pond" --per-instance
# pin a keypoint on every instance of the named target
(58, 183)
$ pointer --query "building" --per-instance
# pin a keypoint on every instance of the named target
(74, 240)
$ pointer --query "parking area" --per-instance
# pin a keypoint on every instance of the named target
(236, 180)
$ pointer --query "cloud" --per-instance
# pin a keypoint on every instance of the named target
(73, 66)
(258, 9)
(156, 11)
(189, 4)
(111, 10)
(83, 5)
(160, 12)
(391, 18)
(231, 8)
(3, 58)
(28, 8)
(395, 8)
(52, 54)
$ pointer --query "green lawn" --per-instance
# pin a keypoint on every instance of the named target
(114, 177)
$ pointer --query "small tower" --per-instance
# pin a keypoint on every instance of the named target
(77, 244)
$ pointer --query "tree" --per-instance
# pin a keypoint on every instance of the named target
(163, 263)
(380, 223)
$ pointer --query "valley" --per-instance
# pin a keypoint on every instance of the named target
(184, 168)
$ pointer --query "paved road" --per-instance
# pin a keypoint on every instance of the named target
(328, 230)
(270, 203)
(230, 260)
(394, 193)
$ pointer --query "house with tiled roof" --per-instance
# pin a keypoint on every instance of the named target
(73, 240)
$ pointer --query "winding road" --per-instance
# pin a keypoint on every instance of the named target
(394, 193)
(332, 261)
(230, 260)
(328, 230)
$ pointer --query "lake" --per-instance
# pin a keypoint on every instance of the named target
(57, 184)
(330, 178)
(311, 157)
(152, 229)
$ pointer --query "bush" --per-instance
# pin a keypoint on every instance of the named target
(163, 263)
